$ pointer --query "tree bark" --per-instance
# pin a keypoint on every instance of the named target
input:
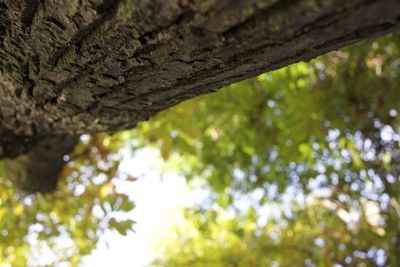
(69, 67)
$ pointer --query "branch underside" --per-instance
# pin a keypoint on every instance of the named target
(38, 170)
(73, 67)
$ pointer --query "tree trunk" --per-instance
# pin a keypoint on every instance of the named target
(69, 67)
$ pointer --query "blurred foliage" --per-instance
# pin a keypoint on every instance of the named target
(39, 230)
(305, 161)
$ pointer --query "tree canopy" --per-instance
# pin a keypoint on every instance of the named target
(308, 174)
(301, 166)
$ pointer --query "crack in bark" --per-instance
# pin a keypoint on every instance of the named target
(108, 10)
(29, 12)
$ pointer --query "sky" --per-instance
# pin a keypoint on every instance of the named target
(159, 201)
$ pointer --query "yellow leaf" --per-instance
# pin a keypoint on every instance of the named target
(105, 190)
(19, 209)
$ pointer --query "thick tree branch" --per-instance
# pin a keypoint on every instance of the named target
(72, 67)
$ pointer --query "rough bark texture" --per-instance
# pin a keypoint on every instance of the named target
(69, 67)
